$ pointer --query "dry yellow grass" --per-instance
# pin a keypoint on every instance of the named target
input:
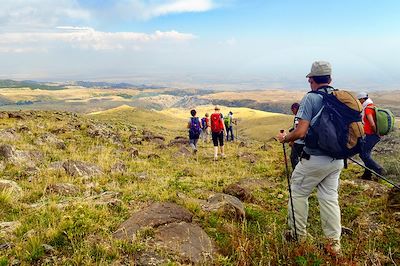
(259, 96)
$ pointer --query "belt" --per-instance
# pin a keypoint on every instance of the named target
(305, 155)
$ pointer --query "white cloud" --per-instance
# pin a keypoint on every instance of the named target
(142, 9)
(85, 38)
(18, 14)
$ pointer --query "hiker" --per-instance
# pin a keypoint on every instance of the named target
(371, 136)
(218, 131)
(194, 126)
(205, 124)
(315, 169)
(297, 145)
(228, 121)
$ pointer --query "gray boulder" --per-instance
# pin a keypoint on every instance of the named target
(12, 186)
(154, 216)
(64, 189)
(81, 169)
(225, 205)
(8, 134)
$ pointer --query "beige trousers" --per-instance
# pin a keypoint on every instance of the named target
(323, 173)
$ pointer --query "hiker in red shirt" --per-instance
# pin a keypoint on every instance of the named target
(218, 131)
(371, 136)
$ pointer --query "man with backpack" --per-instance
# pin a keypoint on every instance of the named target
(218, 131)
(205, 124)
(316, 169)
(228, 121)
(194, 126)
(371, 135)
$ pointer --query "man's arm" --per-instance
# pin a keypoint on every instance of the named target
(372, 122)
(298, 133)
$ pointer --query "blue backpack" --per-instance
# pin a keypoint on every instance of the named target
(337, 128)
(194, 130)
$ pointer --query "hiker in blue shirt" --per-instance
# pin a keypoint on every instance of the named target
(194, 126)
(316, 169)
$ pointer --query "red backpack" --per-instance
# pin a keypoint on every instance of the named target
(216, 123)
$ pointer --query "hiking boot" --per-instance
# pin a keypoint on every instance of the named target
(367, 175)
(215, 158)
(333, 248)
(194, 151)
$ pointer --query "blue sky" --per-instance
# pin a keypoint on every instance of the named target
(202, 43)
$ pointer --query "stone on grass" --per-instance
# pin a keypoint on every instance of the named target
(187, 241)
(118, 168)
(153, 216)
(81, 169)
(8, 227)
(8, 134)
(133, 152)
(239, 192)
(9, 185)
(226, 205)
(247, 156)
(64, 189)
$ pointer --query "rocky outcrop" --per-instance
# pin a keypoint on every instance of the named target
(81, 169)
(8, 134)
(225, 205)
(102, 131)
(178, 141)
(239, 192)
(64, 189)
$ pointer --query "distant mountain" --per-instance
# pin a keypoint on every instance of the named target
(8, 83)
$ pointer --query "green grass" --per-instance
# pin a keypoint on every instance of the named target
(81, 232)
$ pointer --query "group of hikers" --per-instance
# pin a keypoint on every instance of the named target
(316, 160)
(219, 126)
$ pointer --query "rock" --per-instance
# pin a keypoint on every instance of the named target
(247, 156)
(107, 198)
(225, 205)
(7, 245)
(7, 151)
(81, 169)
(8, 227)
(102, 131)
(188, 241)
(10, 185)
(17, 115)
(149, 136)
(49, 138)
(242, 144)
(133, 139)
(150, 258)
(8, 135)
(133, 152)
(239, 192)
(153, 216)
(48, 249)
(178, 141)
(393, 202)
(265, 147)
(347, 231)
(153, 156)
(23, 129)
(157, 141)
(10, 154)
(118, 168)
(57, 166)
(141, 176)
(183, 151)
(4, 115)
(64, 189)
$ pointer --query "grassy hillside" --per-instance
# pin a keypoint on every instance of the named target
(75, 226)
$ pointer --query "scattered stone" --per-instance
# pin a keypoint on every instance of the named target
(153, 156)
(17, 115)
(107, 198)
(10, 154)
(7, 245)
(8, 227)
(23, 129)
(4, 115)
(118, 168)
(393, 202)
(225, 205)
(151, 258)
(142, 176)
(49, 138)
(133, 139)
(396, 216)
(153, 216)
(133, 152)
(188, 241)
(178, 141)
(239, 192)
(247, 156)
(102, 131)
(8, 134)
(157, 141)
(64, 189)
(280, 196)
(183, 151)
(265, 147)
(10, 185)
(57, 166)
(81, 169)
(48, 249)
(149, 136)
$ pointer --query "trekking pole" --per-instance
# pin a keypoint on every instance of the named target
(375, 173)
(290, 189)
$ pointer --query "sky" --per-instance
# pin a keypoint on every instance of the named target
(233, 44)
